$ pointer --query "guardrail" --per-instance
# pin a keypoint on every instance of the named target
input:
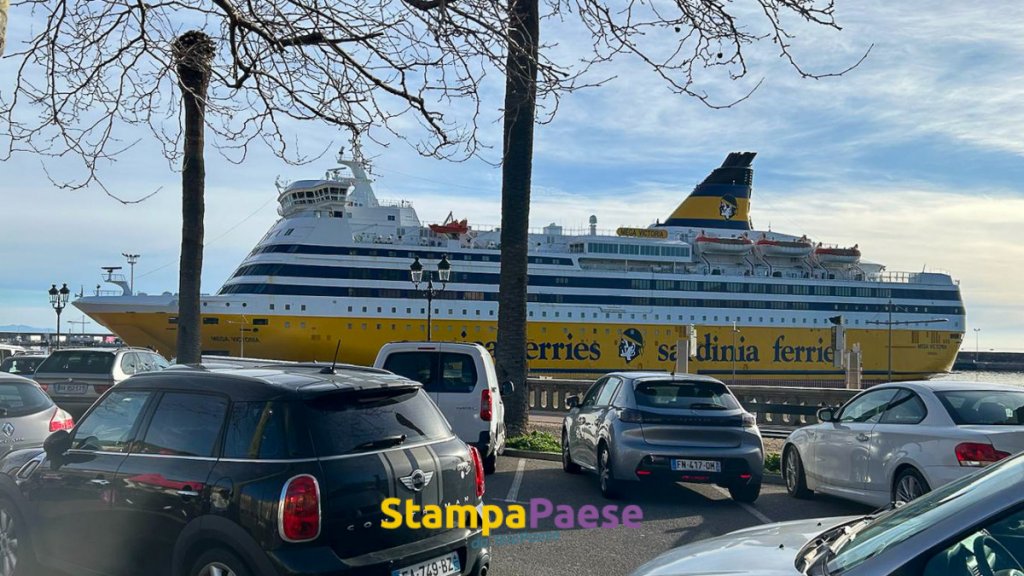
(778, 406)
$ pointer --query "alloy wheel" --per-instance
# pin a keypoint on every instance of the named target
(791, 473)
(8, 543)
(216, 569)
(908, 488)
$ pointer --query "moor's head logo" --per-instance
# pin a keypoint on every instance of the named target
(631, 345)
(728, 207)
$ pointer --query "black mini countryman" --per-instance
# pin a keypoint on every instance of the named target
(243, 472)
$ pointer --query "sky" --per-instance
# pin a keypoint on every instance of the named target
(915, 155)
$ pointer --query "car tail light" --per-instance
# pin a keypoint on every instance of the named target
(630, 416)
(486, 406)
(975, 454)
(61, 421)
(101, 388)
(299, 510)
(45, 387)
(478, 463)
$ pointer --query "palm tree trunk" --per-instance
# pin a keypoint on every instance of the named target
(4, 8)
(193, 53)
(516, 172)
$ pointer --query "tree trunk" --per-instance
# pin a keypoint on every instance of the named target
(516, 171)
(193, 53)
(4, 8)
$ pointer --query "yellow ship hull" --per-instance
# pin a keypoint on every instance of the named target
(751, 354)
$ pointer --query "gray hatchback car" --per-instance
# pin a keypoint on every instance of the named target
(27, 415)
(76, 377)
(634, 427)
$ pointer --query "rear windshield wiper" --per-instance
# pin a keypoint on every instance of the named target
(706, 406)
(386, 442)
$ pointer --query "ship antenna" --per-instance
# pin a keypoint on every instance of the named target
(330, 369)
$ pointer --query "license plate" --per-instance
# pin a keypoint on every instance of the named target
(696, 465)
(70, 388)
(443, 566)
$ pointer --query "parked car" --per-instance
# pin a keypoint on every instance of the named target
(634, 427)
(22, 364)
(461, 379)
(969, 527)
(244, 472)
(895, 442)
(27, 415)
(76, 377)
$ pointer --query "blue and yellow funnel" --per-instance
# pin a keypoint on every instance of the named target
(722, 200)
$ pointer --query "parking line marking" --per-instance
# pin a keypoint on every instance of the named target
(753, 511)
(513, 490)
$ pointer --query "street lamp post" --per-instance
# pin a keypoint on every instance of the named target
(58, 299)
(890, 323)
(444, 272)
(976, 331)
(734, 331)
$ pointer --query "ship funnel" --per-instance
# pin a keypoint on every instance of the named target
(722, 200)
(593, 225)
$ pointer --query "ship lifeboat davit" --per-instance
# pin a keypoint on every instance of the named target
(791, 248)
(717, 245)
(838, 255)
(451, 226)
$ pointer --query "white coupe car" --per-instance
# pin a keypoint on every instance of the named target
(895, 442)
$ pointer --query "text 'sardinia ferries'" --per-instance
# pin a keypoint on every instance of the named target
(762, 304)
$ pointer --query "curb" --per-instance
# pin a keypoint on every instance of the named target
(768, 478)
(550, 456)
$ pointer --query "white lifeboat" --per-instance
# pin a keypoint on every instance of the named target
(791, 248)
(719, 245)
(838, 255)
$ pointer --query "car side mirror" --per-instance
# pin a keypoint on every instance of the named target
(507, 388)
(57, 444)
(827, 415)
(572, 402)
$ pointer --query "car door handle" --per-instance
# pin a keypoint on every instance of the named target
(188, 493)
(862, 437)
(99, 481)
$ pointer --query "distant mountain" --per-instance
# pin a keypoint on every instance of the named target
(23, 328)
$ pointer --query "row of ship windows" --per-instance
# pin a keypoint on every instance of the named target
(584, 299)
(565, 329)
(374, 252)
(212, 320)
(348, 273)
(631, 249)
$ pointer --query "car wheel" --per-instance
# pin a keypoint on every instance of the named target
(793, 474)
(490, 463)
(909, 485)
(610, 488)
(16, 555)
(567, 464)
(745, 493)
(219, 562)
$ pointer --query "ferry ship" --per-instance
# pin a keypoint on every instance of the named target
(745, 305)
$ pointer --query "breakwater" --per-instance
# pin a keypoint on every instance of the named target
(990, 361)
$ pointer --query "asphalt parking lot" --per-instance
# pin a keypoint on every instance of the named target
(672, 516)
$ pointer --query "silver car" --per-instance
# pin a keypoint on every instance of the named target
(76, 377)
(27, 415)
(634, 427)
(971, 527)
(897, 441)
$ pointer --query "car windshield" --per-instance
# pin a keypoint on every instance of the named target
(78, 361)
(22, 398)
(984, 407)
(899, 524)
(355, 421)
(675, 394)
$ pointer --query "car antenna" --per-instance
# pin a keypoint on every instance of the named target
(330, 369)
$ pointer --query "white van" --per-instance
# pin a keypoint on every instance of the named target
(462, 381)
